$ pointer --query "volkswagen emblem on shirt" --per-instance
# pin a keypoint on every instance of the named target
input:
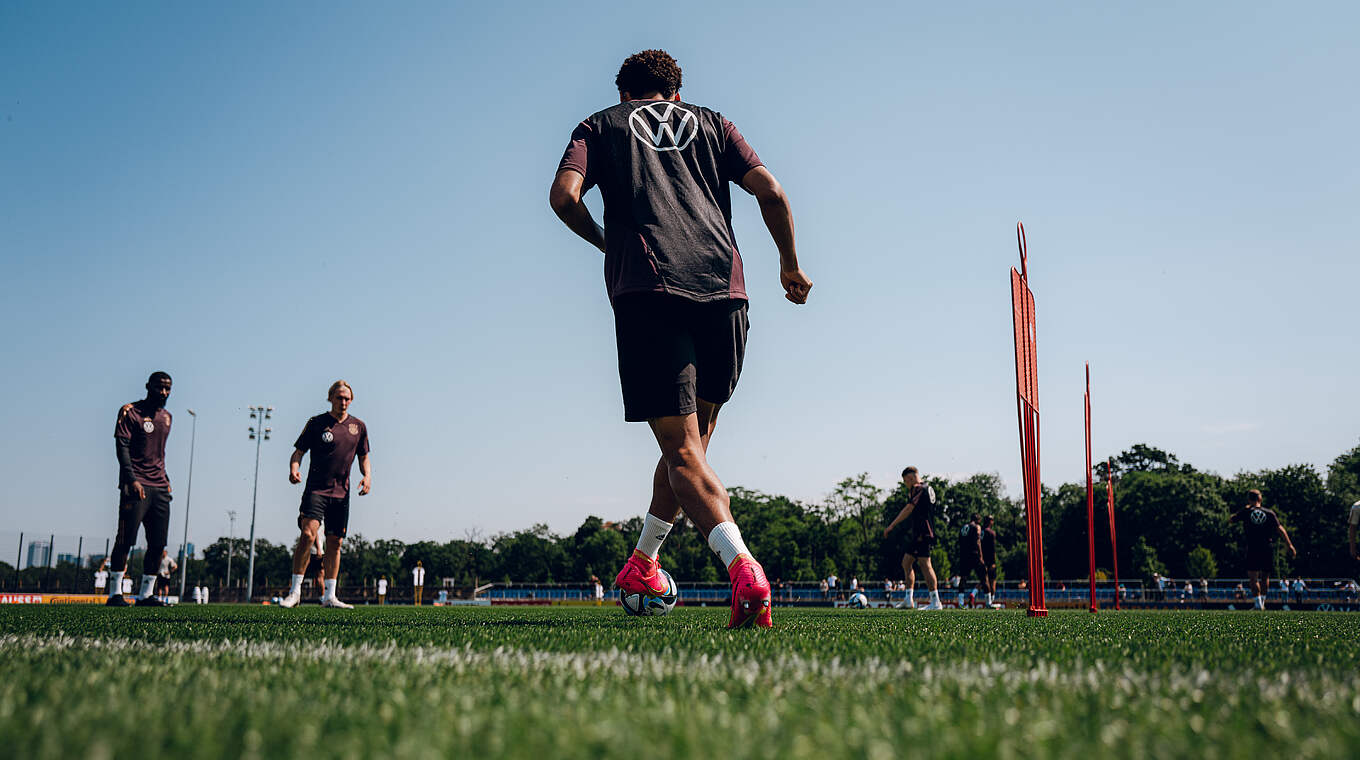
(1258, 516)
(353, 429)
(148, 426)
(326, 436)
(664, 126)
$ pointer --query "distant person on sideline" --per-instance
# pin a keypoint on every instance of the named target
(919, 508)
(143, 488)
(1262, 526)
(101, 576)
(167, 567)
(1354, 526)
(334, 438)
(675, 280)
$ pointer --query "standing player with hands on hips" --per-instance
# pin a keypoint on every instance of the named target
(334, 439)
(143, 488)
(674, 277)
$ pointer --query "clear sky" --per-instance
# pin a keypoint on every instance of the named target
(265, 197)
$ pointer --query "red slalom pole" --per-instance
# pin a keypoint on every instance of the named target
(1114, 547)
(1027, 412)
(1090, 497)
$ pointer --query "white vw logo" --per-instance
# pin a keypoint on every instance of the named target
(149, 426)
(663, 127)
(326, 437)
(1258, 516)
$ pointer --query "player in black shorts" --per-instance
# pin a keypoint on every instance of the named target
(919, 508)
(665, 169)
(334, 440)
(970, 555)
(989, 557)
(143, 488)
(1262, 526)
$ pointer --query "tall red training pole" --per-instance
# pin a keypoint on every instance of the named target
(1090, 496)
(1027, 407)
(1114, 547)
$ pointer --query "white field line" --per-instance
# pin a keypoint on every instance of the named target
(704, 668)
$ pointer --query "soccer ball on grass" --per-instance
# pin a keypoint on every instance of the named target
(648, 605)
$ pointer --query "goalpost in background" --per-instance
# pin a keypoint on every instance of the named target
(1027, 407)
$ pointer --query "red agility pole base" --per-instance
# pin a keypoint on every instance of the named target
(1091, 499)
(1027, 407)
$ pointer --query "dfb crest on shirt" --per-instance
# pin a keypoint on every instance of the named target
(353, 429)
(664, 126)
(326, 436)
(1258, 516)
(148, 426)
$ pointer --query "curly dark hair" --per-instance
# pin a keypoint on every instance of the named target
(649, 71)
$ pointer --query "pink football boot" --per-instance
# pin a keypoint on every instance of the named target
(639, 576)
(750, 594)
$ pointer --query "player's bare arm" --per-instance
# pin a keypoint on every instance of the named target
(565, 199)
(366, 469)
(1288, 544)
(295, 467)
(901, 516)
(778, 216)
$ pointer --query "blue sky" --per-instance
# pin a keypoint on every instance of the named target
(262, 199)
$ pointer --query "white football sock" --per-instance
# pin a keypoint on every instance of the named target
(935, 597)
(116, 583)
(296, 588)
(654, 531)
(330, 589)
(989, 600)
(911, 597)
(148, 586)
(725, 541)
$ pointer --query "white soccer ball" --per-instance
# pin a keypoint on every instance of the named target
(858, 600)
(648, 605)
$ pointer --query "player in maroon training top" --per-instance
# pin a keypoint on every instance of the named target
(143, 488)
(919, 509)
(1262, 526)
(334, 438)
(664, 168)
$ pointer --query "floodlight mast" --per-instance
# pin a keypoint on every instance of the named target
(259, 433)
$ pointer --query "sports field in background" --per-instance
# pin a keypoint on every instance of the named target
(235, 682)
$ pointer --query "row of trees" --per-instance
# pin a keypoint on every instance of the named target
(1171, 519)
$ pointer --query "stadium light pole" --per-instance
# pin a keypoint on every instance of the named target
(231, 542)
(188, 501)
(259, 434)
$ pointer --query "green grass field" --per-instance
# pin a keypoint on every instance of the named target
(545, 683)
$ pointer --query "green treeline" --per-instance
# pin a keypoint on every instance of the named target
(1170, 518)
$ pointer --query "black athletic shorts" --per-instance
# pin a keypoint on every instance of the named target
(1261, 558)
(162, 584)
(332, 511)
(152, 512)
(969, 565)
(919, 546)
(673, 350)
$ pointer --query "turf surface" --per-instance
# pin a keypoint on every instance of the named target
(543, 683)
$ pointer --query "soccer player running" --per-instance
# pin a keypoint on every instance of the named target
(920, 505)
(675, 280)
(1262, 526)
(334, 439)
(989, 558)
(143, 488)
(970, 555)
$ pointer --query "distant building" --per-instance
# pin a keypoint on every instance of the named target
(185, 550)
(39, 553)
(73, 559)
